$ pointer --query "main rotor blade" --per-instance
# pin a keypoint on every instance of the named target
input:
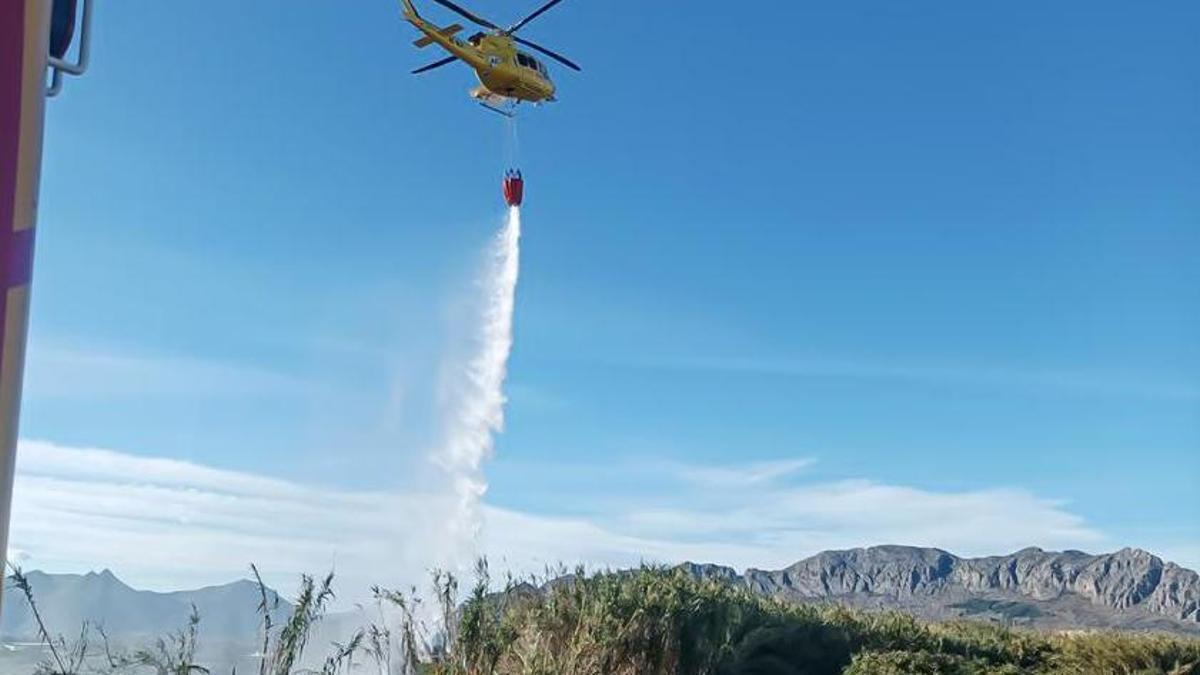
(435, 64)
(557, 57)
(541, 10)
(467, 14)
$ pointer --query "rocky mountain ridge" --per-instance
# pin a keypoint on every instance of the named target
(66, 601)
(1126, 589)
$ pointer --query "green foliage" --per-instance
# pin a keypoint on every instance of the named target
(923, 663)
(655, 621)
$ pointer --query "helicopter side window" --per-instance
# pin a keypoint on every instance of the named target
(522, 59)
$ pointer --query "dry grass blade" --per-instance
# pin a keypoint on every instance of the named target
(60, 661)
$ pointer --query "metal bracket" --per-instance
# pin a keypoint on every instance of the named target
(59, 66)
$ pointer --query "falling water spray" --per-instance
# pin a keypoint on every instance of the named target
(477, 413)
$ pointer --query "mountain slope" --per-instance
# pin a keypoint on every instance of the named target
(1127, 589)
(67, 600)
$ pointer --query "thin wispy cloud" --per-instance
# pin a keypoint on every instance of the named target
(830, 515)
(58, 371)
(167, 524)
(1099, 383)
(740, 475)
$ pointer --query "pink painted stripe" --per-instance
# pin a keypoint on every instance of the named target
(14, 264)
(16, 259)
(12, 49)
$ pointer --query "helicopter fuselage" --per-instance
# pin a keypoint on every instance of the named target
(511, 73)
(504, 71)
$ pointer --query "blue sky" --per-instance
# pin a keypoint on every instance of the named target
(934, 247)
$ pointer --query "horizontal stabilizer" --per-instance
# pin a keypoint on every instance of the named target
(447, 31)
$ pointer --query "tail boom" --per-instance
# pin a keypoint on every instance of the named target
(443, 37)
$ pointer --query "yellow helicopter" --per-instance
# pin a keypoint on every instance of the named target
(507, 75)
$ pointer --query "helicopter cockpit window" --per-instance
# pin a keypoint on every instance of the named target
(523, 60)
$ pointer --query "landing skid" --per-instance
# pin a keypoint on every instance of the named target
(499, 111)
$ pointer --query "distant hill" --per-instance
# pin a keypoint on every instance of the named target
(1129, 590)
(227, 612)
